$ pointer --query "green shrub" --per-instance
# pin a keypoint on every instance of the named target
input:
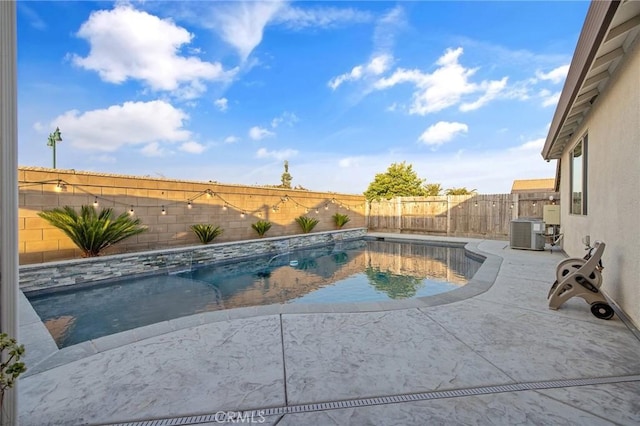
(10, 367)
(91, 231)
(206, 232)
(306, 223)
(340, 220)
(261, 227)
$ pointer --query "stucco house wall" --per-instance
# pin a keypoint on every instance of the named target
(613, 186)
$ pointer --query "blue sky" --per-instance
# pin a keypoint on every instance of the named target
(227, 91)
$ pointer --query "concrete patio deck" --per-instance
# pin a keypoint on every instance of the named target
(497, 356)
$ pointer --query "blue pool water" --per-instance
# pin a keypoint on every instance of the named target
(355, 271)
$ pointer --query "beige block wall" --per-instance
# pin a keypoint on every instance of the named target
(41, 242)
(613, 128)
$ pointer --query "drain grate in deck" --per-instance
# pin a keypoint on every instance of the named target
(219, 417)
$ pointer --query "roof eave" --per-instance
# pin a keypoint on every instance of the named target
(594, 30)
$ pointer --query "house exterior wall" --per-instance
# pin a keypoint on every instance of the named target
(613, 186)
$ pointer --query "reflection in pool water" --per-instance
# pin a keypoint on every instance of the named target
(355, 271)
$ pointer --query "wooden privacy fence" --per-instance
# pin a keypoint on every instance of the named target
(487, 215)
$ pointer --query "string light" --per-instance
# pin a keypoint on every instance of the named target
(511, 206)
(493, 204)
(242, 215)
(534, 204)
(475, 204)
(60, 187)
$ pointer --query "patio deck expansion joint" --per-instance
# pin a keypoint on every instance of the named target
(389, 399)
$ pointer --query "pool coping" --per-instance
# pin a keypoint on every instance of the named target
(482, 281)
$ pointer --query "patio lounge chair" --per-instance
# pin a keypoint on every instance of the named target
(582, 278)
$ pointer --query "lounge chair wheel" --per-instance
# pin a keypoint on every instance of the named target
(602, 310)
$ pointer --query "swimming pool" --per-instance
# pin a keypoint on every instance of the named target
(353, 271)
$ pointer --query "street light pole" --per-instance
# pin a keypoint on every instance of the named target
(54, 138)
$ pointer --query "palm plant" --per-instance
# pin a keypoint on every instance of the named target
(340, 220)
(206, 232)
(306, 223)
(93, 231)
(261, 227)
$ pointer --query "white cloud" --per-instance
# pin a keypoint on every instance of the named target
(468, 168)
(283, 154)
(31, 16)
(492, 90)
(556, 75)
(348, 162)
(129, 44)
(231, 139)
(241, 24)
(548, 98)
(445, 86)
(153, 150)
(257, 133)
(386, 28)
(287, 118)
(105, 158)
(222, 104)
(535, 145)
(192, 147)
(442, 132)
(376, 66)
(132, 123)
(320, 17)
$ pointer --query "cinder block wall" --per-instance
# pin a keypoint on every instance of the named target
(232, 207)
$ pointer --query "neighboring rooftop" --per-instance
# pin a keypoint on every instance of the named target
(533, 185)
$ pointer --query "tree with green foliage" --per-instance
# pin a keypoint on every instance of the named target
(460, 191)
(286, 177)
(91, 231)
(432, 189)
(396, 286)
(400, 180)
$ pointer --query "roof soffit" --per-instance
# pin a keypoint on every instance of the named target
(610, 28)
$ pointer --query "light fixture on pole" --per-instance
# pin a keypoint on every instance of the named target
(54, 138)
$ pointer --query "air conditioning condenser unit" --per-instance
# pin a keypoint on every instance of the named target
(527, 234)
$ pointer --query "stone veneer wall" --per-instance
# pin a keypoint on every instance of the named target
(40, 242)
(79, 271)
